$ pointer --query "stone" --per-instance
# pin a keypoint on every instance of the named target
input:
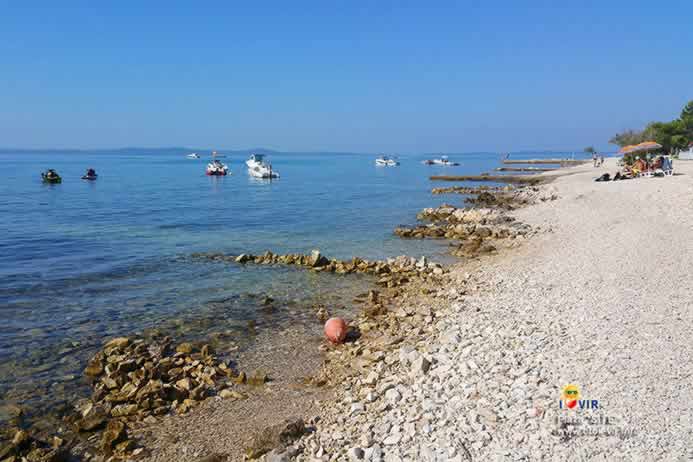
(184, 384)
(355, 454)
(123, 410)
(95, 366)
(420, 366)
(356, 409)
(392, 439)
(93, 416)
(257, 378)
(231, 394)
(114, 434)
(243, 258)
(316, 259)
(392, 395)
(275, 436)
(185, 348)
(212, 458)
(116, 343)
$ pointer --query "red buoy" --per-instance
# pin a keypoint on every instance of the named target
(335, 330)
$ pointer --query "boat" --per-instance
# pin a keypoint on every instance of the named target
(90, 175)
(385, 161)
(258, 168)
(217, 168)
(51, 176)
(194, 155)
(442, 160)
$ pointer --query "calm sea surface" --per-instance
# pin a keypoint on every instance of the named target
(82, 261)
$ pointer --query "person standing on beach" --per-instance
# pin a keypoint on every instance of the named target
(594, 159)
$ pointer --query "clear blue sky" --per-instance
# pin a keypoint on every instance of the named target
(362, 76)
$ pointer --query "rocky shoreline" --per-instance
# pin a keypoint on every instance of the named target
(137, 380)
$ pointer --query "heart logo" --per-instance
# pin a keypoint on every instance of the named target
(571, 404)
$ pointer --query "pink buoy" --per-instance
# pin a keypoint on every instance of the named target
(335, 330)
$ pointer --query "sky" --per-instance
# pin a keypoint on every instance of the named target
(348, 76)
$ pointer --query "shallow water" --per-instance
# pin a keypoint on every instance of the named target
(81, 261)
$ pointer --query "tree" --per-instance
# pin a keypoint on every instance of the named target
(627, 138)
(673, 136)
(590, 150)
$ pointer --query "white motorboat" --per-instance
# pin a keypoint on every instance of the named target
(385, 161)
(216, 168)
(194, 155)
(443, 160)
(258, 168)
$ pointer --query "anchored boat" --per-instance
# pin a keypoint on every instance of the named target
(51, 176)
(90, 175)
(443, 160)
(216, 168)
(385, 161)
(194, 155)
(258, 168)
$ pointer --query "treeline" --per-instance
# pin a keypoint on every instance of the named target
(674, 136)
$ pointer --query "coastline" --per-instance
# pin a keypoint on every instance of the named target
(453, 367)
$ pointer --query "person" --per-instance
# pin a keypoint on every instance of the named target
(601, 160)
(594, 159)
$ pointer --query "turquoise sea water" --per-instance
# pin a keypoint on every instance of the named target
(81, 261)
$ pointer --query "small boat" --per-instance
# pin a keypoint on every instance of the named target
(90, 175)
(194, 155)
(385, 161)
(258, 168)
(443, 160)
(216, 168)
(51, 176)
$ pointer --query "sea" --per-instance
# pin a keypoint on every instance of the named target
(84, 261)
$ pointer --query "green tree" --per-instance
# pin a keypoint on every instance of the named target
(628, 137)
(590, 150)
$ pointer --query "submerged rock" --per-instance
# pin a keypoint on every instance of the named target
(275, 436)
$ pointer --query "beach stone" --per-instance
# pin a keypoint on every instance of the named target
(243, 258)
(213, 458)
(393, 395)
(275, 436)
(185, 348)
(355, 454)
(316, 259)
(93, 417)
(257, 378)
(114, 434)
(356, 409)
(116, 343)
(420, 366)
(95, 365)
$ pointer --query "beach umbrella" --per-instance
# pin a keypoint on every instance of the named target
(642, 147)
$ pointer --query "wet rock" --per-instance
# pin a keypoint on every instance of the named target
(114, 434)
(116, 344)
(257, 378)
(93, 417)
(275, 436)
(185, 348)
(243, 258)
(95, 365)
(317, 259)
(123, 410)
(213, 458)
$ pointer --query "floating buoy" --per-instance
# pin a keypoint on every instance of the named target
(335, 330)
